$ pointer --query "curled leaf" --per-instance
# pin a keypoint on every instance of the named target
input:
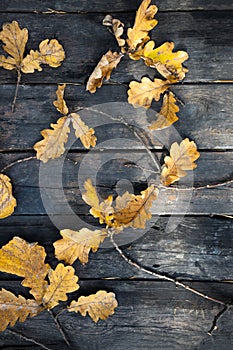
(141, 94)
(99, 306)
(60, 103)
(182, 158)
(144, 22)
(14, 308)
(77, 244)
(53, 144)
(117, 27)
(7, 201)
(62, 281)
(83, 132)
(104, 68)
(167, 115)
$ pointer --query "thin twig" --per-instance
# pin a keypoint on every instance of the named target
(161, 276)
(195, 188)
(16, 90)
(17, 162)
(57, 323)
(219, 315)
(28, 339)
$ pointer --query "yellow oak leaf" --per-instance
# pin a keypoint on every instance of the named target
(83, 132)
(167, 115)
(53, 144)
(77, 244)
(7, 201)
(104, 68)
(144, 22)
(134, 210)
(60, 103)
(102, 210)
(99, 306)
(141, 94)
(26, 260)
(62, 280)
(182, 158)
(13, 309)
(117, 28)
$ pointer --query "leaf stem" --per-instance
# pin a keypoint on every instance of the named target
(16, 90)
(57, 323)
(28, 339)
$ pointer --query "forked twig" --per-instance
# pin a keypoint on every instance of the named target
(58, 325)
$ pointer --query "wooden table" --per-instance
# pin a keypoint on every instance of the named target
(152, 314)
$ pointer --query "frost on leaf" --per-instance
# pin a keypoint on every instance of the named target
(7, 201)
(26, 260)
(182, 157)
(168, 113)
(104, 68)
(144, 22)
(77, 244)
(62, 280)
(13, 309)
(99, 306)
(142, 94)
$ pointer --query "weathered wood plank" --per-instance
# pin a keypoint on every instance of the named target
(205, 35)
(206, 116)
(149, 314)
(199, 248)
(110, 5)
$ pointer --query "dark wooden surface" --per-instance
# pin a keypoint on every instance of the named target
(152, 314)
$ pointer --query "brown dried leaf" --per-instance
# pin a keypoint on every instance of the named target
(104, 68)
(53, 144)
(26, 260)
(167, 115)
(144, 22)
(104, 210)
(7, 201)
(77, 244)
(60, 103)
(83, 132)
(99, 306)
(14, 308)
(182, 158)
(134, 210)
(62, 281)
(141, 94)
(117, 27)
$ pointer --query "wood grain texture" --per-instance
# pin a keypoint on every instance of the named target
(206, 116)
(206, 36)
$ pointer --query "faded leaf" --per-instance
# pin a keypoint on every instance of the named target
(7, 201)
(134, 210)
(53, 144)
(62, 281)
(77, 244)
(14, 308)
(99, 306)
(144, 22)
(25, 260)
(102, 210)
(167, 115)
(83, 132)
(60, 103)
(52, 52)
(141, 94)
(117, 27)
(108, 62)
(182, 158)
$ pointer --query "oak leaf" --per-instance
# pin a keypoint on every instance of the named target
(13, 309)
(102, 210)
(77, 244)
(141, 94)
(134, 210)
(7, 201)
(167, 115)
(99, 306)
(117, 28)
(104, 68)
(83, 132)
(26, 260)
(62, 281)
(144, 22)
(182, 158)
(60, 103)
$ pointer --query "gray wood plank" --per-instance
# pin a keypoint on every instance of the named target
(205, 35)
(149, 314)
(206, 116)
